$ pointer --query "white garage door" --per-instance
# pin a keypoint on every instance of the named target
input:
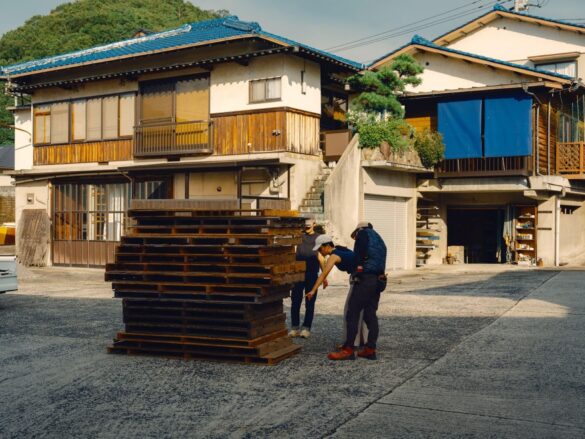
(388, 216)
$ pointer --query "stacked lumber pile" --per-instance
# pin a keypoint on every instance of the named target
(206, 284)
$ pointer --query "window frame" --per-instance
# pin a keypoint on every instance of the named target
(70, 104)
(266, 82)
(538, 66)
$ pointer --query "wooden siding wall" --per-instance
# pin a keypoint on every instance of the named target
(422, 115)
(106, 151)
(272, 130)
(541, 142)
(241, 133)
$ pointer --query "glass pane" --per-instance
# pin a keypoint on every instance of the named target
(127, 115)
(78, 120)
(42, 128)
(193, 100)
(94, 119)
(257, 89)
(110, 117)
(273, 88)
(60, 123)
(157, 106)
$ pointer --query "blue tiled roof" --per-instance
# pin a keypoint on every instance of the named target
(420, 41)
(189, 34)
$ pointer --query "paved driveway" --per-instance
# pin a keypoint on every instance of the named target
(464, 350)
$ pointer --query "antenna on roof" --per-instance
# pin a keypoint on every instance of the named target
(523, 5)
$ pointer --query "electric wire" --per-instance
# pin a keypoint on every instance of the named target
(417, 25)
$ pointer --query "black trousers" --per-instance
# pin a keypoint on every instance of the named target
(365, 296)
(297, 295)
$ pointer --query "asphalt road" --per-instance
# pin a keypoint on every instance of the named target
(465, 351)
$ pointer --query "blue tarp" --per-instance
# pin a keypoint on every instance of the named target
(460, 124)
(508, 125)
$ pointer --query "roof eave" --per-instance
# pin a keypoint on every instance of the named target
(317, 54)
(480, 21)
(465, 57)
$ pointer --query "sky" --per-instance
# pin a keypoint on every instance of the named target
(325, 24)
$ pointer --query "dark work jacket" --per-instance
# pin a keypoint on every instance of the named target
(371, 251)
(348, 261)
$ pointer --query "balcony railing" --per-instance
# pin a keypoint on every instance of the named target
(485, 166)
(571, 158)
(173, 138)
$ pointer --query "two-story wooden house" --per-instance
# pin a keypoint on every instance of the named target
(218, 109)
(505, 93)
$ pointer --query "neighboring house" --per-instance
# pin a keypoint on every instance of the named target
(212, 110)
(6, 184)
(504, 90)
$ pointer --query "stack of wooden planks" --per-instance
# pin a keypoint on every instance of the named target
(206, 284)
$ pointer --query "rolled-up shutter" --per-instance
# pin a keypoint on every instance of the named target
(388, 216)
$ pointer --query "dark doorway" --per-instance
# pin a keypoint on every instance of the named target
(479, 231)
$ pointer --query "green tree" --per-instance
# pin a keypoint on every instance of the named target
(86, 23)
(379, 90)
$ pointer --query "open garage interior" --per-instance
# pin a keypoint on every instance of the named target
(480, 231)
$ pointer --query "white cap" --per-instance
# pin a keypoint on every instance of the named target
(360, 225)
(321, 239)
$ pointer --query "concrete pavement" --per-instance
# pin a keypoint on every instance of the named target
(465, 351)
(521, 376)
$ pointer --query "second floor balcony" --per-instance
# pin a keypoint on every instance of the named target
(163, 139)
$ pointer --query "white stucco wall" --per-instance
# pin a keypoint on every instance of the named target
(442, 73)
(572, 235)
(23, 149)
(230, 84)
(515, 40)
(344, 194)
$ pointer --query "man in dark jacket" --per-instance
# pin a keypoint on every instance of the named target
(305, 253)
(368, 283)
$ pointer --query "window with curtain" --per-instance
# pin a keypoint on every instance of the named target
(127, 115)
(497, 125)
(263, 90)
(110, 117)
(42, 124)
(157, 102)
(94, 119)
(60, 123)
(192, 100)
(78, 120)
(568, 68)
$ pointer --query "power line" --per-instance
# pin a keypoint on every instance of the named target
(411, 30)
(404, 26)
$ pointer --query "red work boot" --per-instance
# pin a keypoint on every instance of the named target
(344, 354)
(367, 353)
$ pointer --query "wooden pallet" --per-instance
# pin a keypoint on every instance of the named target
(206, 284)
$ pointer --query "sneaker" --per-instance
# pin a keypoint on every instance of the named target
(367, 353)
(305, 333)
(293, 333)
(344, 354)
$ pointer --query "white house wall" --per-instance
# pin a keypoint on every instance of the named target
(230, 84)
(516, 41)
(443, 73)
(23, 148)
